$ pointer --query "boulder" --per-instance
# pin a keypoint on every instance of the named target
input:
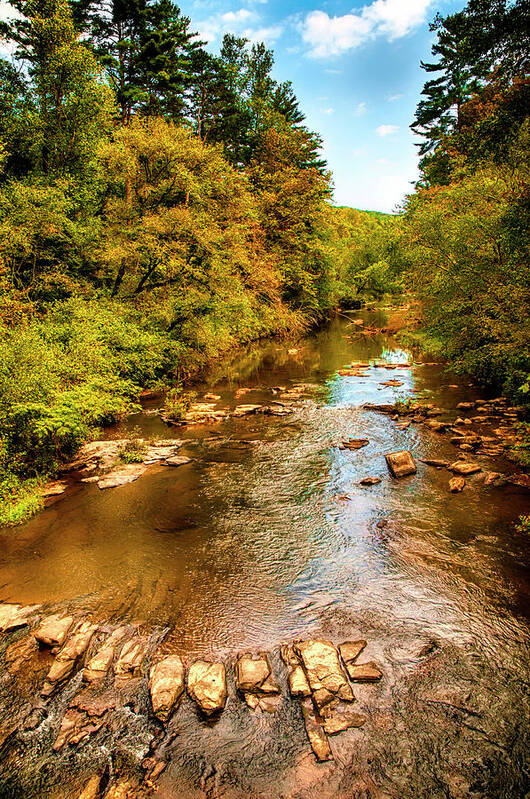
(456, 484)
(166, 685)
(254, 674)
(298, 684)
(400, 464)
(324, 672)
(490, 478)
(207, 686)
(52, 631)
(370, 481)
(464, 468)
(317, 737)
(364, 672)
(14, 616)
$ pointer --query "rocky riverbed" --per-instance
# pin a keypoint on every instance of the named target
(331, 600)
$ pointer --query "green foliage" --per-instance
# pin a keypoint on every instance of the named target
(134, 451)
(19, 499)
(177, 403)
(523, 524)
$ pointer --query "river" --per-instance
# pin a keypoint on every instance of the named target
(267, 536)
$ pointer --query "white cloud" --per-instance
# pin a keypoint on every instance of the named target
(329, 36)
(234, 17)
(237, 22)
(361, 109)
(386, 130)
(329, 111)
(391, 98)
(268, 34)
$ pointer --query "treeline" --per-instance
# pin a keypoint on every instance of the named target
(158, 204)
(463, 242)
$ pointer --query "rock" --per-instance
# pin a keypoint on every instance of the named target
(161, 450)
(166, 685)
(52, 631)
(492, 477)
(350, 650)
(68, 657)
(364, 672)
(324, 672)
(317, 737)
(54, 489)
(521, 480)
(465, 406)
(464, 468)
(456, 484)
(128, 474)
(207, 686)
(254, 674)
(92, 788)
(177, 460)
(130, 658)
(212, 397)
(14, 616)
(438, 464)
(370, 481)
(298, 685)
(342, 718)
(400, 464)
(438, 427)
(292, 351)
(392, 383)
(245, 410)
(98, 666)
(354, 443)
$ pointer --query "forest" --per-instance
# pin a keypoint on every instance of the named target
(160, 205)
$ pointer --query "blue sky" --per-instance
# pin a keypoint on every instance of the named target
(355, 70)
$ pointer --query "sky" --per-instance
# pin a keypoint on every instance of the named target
(356, 72)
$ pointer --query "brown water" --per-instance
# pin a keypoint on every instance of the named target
(267, 536)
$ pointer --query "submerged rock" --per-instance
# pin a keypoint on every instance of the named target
(370, 481)
(177, 460)
(166, 685)
(354, 443)
(130, 659)
(52, 631)
(12, 617)
(54, 489)
(490, 478)
(437, 463)
(207, 686)
(317, 737)
(400, 464)
(456, 484)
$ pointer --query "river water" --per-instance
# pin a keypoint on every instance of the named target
(268, 536)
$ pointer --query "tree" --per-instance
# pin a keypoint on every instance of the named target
(70, 104)
(146, 49)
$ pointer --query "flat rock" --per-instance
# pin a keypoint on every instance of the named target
(245, 410)
(166, 685)
(490, 478)
(207, 686)
(317, 737)
(298, 684)
(400, 464)
(394, 383)
(324, 672)
(54, 489)
(341, 718)
(456, 484)
(436, 462)
(177, 460)
(350, 650)
(12, 617)
(465, 406)
(370, 481)
(52, 631)
(464, 468)
(521, 480)
(364, 672)
(123, 476)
